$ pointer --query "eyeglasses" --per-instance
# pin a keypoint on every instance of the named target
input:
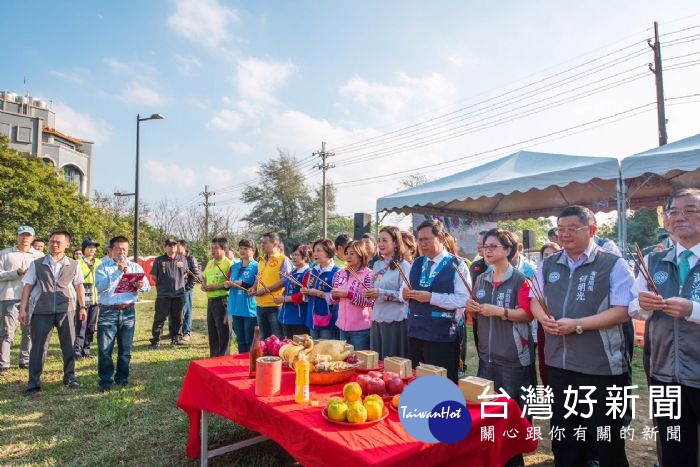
(571, 231)
(492, 247)
(686, 212)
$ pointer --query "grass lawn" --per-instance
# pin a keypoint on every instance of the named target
(141, 425)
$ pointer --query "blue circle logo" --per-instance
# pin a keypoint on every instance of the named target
(660, 277)
(481, 293)
(554, 276)
(432, 409)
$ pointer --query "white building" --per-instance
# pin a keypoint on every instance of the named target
(30, 126)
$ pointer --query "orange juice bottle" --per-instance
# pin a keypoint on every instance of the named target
(301, 393)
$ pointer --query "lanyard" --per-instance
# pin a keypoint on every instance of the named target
(427, 280)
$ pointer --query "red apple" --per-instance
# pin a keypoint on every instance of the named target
(363, 380)
(388, 375)
(395, 386)
(375, 374)
(376, 386)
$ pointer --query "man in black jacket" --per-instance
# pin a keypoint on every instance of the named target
(168, 272)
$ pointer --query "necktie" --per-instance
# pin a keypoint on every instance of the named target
(684, 265)
(431, 263)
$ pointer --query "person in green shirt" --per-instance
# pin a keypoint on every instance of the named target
(215, 275)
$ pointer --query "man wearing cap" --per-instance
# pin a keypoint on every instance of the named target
(117, 314)
(14, 262)
(169, 273)
(85, 330)
(56, 287)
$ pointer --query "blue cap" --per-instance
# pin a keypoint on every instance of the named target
(25, 229)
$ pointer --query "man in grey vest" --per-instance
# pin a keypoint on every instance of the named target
(587, 291)
(673, 321)
(54, 284)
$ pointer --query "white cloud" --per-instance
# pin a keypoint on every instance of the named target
(198, 103)
(239, 147)
(188, 66)
(164, 173)
(137, 93)
(204, 22)
(218, 177)
(133, 68)
(407, 96)
(257, 80)
(250, 171)
(456, 61)
(227, 120)
(81, 125)
(74, 75)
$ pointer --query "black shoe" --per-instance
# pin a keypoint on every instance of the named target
(104, 389)
(72, 384)
(121, 383)
(23, 366)
(154, 346)
(176, 342)
(30, 391)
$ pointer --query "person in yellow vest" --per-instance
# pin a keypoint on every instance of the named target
(218, 319)
(85, 330)
(272, 268)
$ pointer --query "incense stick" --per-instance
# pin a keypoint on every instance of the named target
(292, 279)
(464, 280)
(196, 277)
(643, 269)
(320, 280)
(357, 278)
(539, 294)
(403, 274)
(266, 288)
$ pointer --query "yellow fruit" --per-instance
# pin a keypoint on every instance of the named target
(337, 411)
(352, 392)
(357, 414)
(374, 409)
(374, 397)
(334, 400)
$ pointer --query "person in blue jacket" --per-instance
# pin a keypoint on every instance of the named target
(241, 306)
(322, 312)
(293, 314)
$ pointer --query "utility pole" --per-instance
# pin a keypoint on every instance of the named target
(206, 193)
(656, 68)
(323, 166)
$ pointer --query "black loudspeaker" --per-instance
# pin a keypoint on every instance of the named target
(363, 225)
(529, 239)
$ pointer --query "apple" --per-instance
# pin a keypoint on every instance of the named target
(389, 375)
(376, 386)
(395, 386)
(375, 374)
(363, 380)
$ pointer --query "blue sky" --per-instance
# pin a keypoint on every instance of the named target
(237, 80)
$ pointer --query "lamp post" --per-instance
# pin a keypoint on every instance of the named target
(139, 119)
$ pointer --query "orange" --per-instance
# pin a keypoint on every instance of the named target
(357, 414)
(395, 401)
(334, 400)
(374, 397)
(352, 392)
(337, 411)
(374, 409)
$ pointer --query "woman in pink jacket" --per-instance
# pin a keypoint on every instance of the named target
(354, 310)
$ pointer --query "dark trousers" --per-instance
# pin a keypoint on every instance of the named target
(444, 354)
(85, 331)
(291, 329)
(114, 326)
(685, 452)
(570, 452)
(41, 327)
(268, 321)
(541, 337)
(219, 327)
(167, 307)
(244, 328)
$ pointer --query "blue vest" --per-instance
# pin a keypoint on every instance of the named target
(319, 306)
(291, 313)
(428, 322)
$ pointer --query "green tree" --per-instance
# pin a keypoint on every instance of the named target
(32, 193)
(642, 228)
(282, 202)
(413, 181)
(539, 226)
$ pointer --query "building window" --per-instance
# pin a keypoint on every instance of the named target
(71, 174)
(24, 134)
(5, 129)
(48, 162)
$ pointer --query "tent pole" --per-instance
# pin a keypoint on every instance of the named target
(621, 218)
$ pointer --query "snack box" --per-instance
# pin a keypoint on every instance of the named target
(472, 387)
(399, 365)
(367, 359)
(424, 369)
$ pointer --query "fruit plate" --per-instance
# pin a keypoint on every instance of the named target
(327, 379)
(367, 370)
(385, 414)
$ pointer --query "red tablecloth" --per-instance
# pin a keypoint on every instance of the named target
(221, 386)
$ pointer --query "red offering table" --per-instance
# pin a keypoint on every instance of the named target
(221, 386)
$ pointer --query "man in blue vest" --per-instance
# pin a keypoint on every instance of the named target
(587, 291)
(673, 321)
(435, 299)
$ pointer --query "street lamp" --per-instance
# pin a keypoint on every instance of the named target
(139, 119)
